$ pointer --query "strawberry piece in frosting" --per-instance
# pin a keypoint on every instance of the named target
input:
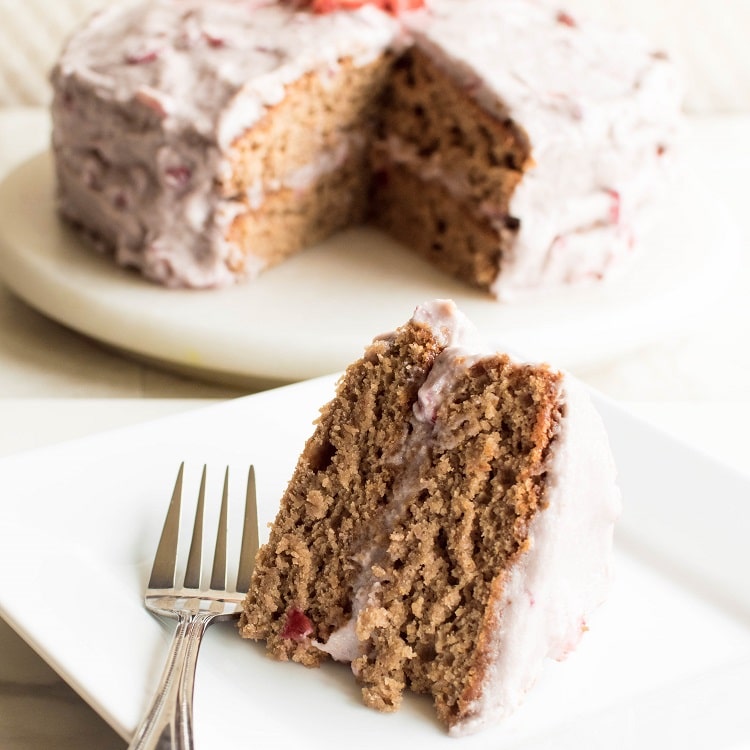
(394, 7)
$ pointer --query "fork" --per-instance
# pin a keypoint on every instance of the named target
(168, 724)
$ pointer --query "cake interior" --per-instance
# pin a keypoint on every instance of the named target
(397, 142)
(302, 172)
(478, 487)
(340, 485)
(445, 170)
(392, 539)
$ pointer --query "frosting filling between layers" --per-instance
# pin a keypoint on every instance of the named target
(304, 177)
(590, 210)
(458, 336)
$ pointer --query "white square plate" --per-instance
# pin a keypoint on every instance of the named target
(665, 664)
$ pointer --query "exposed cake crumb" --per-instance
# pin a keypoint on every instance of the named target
(438, 549)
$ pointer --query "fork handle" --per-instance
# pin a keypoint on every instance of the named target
(168, 725)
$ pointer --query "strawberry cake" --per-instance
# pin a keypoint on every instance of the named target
(508, 143)
(448, 526)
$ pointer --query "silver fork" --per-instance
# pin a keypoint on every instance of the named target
(168, 725)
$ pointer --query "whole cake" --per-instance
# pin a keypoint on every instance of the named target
(505, 141)
(448, 525)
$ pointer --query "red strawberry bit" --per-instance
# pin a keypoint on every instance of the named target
(394, 7)
(177, 177)
(566, 19)
(661, 150)
(141, 58)
(330, 6)
(214, 41)
(297, 626)
(614, 207)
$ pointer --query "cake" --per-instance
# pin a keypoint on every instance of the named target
(448, 525)
(508, 143)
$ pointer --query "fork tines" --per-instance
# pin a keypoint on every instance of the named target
(164, 568)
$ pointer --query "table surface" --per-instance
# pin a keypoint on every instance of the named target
(55, 385)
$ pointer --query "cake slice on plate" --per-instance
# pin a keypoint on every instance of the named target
(448, 525)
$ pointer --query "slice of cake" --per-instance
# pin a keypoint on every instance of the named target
(519, 144)
(448, 525)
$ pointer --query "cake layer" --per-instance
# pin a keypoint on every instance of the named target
(280, 223)
(317, 111)
(479, 458)
(436, 125)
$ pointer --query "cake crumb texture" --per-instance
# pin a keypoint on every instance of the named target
(430, 629)
(445, 171)
(332, 506)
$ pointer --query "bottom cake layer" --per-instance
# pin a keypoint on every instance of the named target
(291, 219)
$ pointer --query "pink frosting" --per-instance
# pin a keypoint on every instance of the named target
(184, 78)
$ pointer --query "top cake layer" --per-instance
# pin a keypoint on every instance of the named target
(218, 66)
